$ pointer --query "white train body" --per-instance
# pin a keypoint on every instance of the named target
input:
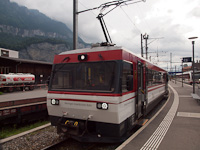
(98, 94)
(16, 78)
(187, 77)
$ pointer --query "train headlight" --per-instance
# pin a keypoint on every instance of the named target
(103, 106)
(82, 57)
(54, 101)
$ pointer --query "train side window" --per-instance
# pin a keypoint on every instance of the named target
(126, 72)
(150, 77)
(146, 76)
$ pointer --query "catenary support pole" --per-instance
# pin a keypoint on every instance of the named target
(75, 24)
(146, 37)
(141, 45)
(182, 72)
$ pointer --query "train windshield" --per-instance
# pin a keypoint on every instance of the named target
(85, 76)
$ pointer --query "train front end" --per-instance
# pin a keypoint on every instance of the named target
(84, 98)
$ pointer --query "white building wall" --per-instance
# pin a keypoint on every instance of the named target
(9, 53)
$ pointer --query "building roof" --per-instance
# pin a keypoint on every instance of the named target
(25, 60)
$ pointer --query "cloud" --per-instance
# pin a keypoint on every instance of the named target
(195, 12)
(173, 20)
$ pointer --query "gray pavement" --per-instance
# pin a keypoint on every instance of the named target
(20, 95)
(177, 127)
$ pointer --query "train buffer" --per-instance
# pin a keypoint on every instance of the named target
(176, 126)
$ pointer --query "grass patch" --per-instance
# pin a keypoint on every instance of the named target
(13, 130)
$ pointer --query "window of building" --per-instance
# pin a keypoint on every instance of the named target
(4, 53)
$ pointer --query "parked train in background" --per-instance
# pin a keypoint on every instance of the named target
(9, 82)
(98, 94)
(187, 77)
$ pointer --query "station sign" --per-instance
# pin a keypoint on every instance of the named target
(187, 59)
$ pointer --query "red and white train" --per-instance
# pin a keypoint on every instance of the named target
(98, 94)
(187, 77)
(11, 81)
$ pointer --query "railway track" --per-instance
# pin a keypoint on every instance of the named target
(43, 137)
(74, 145)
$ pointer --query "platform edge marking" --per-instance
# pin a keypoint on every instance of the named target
(170, 115)
(143, 127)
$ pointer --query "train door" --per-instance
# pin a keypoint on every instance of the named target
(140, 90)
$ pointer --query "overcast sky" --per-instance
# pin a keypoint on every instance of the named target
(173, 21)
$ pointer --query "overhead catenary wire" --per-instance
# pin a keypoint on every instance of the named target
(112, 3)
(87, 8)
(131, 21)
(116, 4)
(101, 14)
(148, 28)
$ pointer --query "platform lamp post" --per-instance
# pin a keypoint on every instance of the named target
(192, 38)
(182, 72)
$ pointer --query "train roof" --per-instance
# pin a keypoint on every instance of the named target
(106, 48)
(92, 49)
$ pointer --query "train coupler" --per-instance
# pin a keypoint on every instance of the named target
(69, 127)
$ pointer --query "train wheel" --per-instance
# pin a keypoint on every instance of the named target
(31, 88)
(26, 88)
(5, 90)
(10, 89)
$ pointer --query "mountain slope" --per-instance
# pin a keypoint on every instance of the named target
(12, 14)
(21, 29)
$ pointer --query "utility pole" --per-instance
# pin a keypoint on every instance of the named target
(141, 46)
(182, 72)
(193, 74)
(175, 74)
(146, 37)
(170, 62)
(75, 24)
(167, 66)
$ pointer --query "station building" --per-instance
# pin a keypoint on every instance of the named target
(11, 63)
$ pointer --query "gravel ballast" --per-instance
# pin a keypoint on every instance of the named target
(34, 140)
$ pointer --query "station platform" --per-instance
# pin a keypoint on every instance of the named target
(22, 106)
(20, 97)
(176, 126)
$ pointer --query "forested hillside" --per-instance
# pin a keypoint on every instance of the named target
(21, 28)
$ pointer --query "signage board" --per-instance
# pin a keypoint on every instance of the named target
(187, 59)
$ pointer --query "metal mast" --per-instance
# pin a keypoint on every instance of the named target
(75, 24)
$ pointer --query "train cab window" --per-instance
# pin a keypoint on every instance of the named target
(86, 76)
(127, 70)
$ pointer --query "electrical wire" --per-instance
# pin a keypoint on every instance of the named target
(109, 24)
(131, 20)
(87, 8)
(144, 20)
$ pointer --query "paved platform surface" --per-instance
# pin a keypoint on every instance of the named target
(177, 126)
(19, 95)
(21, 98)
